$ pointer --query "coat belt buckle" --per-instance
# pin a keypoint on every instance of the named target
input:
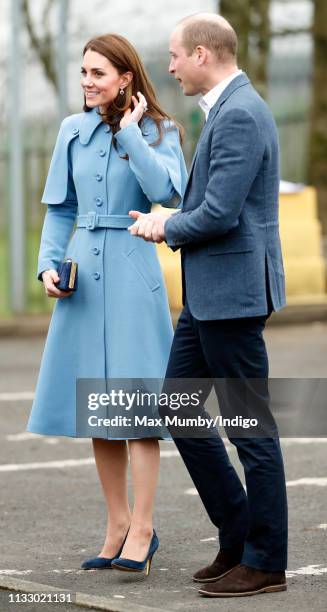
(92, 220)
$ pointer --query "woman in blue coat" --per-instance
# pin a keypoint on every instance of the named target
(123, 152)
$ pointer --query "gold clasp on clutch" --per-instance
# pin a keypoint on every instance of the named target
(72, 275)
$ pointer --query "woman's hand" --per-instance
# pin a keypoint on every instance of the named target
(50, 277)
(140, 106)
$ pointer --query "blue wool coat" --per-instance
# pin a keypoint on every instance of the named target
(117, 324)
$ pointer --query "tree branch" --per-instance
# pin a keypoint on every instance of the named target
(46, 12)
(42, 46)
(290, 32)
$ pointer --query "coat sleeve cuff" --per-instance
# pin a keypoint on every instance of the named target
(43, 266)
(171, 240)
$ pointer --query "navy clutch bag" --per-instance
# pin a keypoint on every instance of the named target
(68, 274)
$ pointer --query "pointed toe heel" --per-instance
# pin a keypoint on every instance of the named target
(102, 562)
(97, 563)
(129, 565)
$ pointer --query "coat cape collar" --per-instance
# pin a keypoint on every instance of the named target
(90, 121)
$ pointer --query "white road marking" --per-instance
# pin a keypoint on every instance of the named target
(21, 437)
(322, 526)
(293, 441)
(309, 570)
(191, 587)
(12, 572)
(64, 463)
(25, 436)
(318, 482)
(169, 453)
(17, 467)
(119, 596)
(18, 396)
(209, 540)
(191, 491)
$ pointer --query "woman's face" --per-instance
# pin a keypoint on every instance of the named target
(100, 80)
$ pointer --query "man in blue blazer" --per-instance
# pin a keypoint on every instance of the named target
(233, 279)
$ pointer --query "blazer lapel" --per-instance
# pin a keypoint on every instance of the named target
(204, 129)
(239, 81)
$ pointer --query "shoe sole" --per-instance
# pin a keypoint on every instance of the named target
(206, 580)
(121, 568)
(92, 569)
(269, 589)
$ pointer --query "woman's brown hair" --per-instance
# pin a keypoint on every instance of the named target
(122, 55)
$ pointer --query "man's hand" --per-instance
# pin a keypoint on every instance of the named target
(149, 226)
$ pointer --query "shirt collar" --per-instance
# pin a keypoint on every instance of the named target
(211, 97)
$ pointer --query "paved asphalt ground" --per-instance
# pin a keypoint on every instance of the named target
(52, 516)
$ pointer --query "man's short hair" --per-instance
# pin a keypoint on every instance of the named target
(216, 34)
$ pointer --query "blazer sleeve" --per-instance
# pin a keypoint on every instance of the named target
(160, 170)
(237, 150)
(60, 196)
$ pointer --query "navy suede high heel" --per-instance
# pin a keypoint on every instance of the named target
(101, 562)
(129, 565)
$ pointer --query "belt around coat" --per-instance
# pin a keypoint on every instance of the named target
(92, 220)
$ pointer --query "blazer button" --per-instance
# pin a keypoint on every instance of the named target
(98, 177)
(98, 201)
(75, 131)
(102, 152)
(107, 128)
(96, 251)
(96, 275)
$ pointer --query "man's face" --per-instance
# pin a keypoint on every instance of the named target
(184, 67)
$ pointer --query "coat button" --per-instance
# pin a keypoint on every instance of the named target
(98, 201)
(75, 131)
(96, 275)
(98, 177)
(96, 251)
(102, 152)
(107, 128)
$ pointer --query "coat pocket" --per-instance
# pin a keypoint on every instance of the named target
(143, 269)
(237, 244)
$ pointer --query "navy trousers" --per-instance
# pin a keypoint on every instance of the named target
(256, 518)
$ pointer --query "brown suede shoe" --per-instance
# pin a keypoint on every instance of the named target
(243, 580)
(223, 563)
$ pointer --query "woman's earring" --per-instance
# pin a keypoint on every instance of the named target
(121, 91)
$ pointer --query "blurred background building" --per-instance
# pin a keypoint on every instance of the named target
(283, 46)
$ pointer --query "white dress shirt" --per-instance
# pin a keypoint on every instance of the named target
(210, 98)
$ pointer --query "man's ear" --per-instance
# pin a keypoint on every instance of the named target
(201, 54)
